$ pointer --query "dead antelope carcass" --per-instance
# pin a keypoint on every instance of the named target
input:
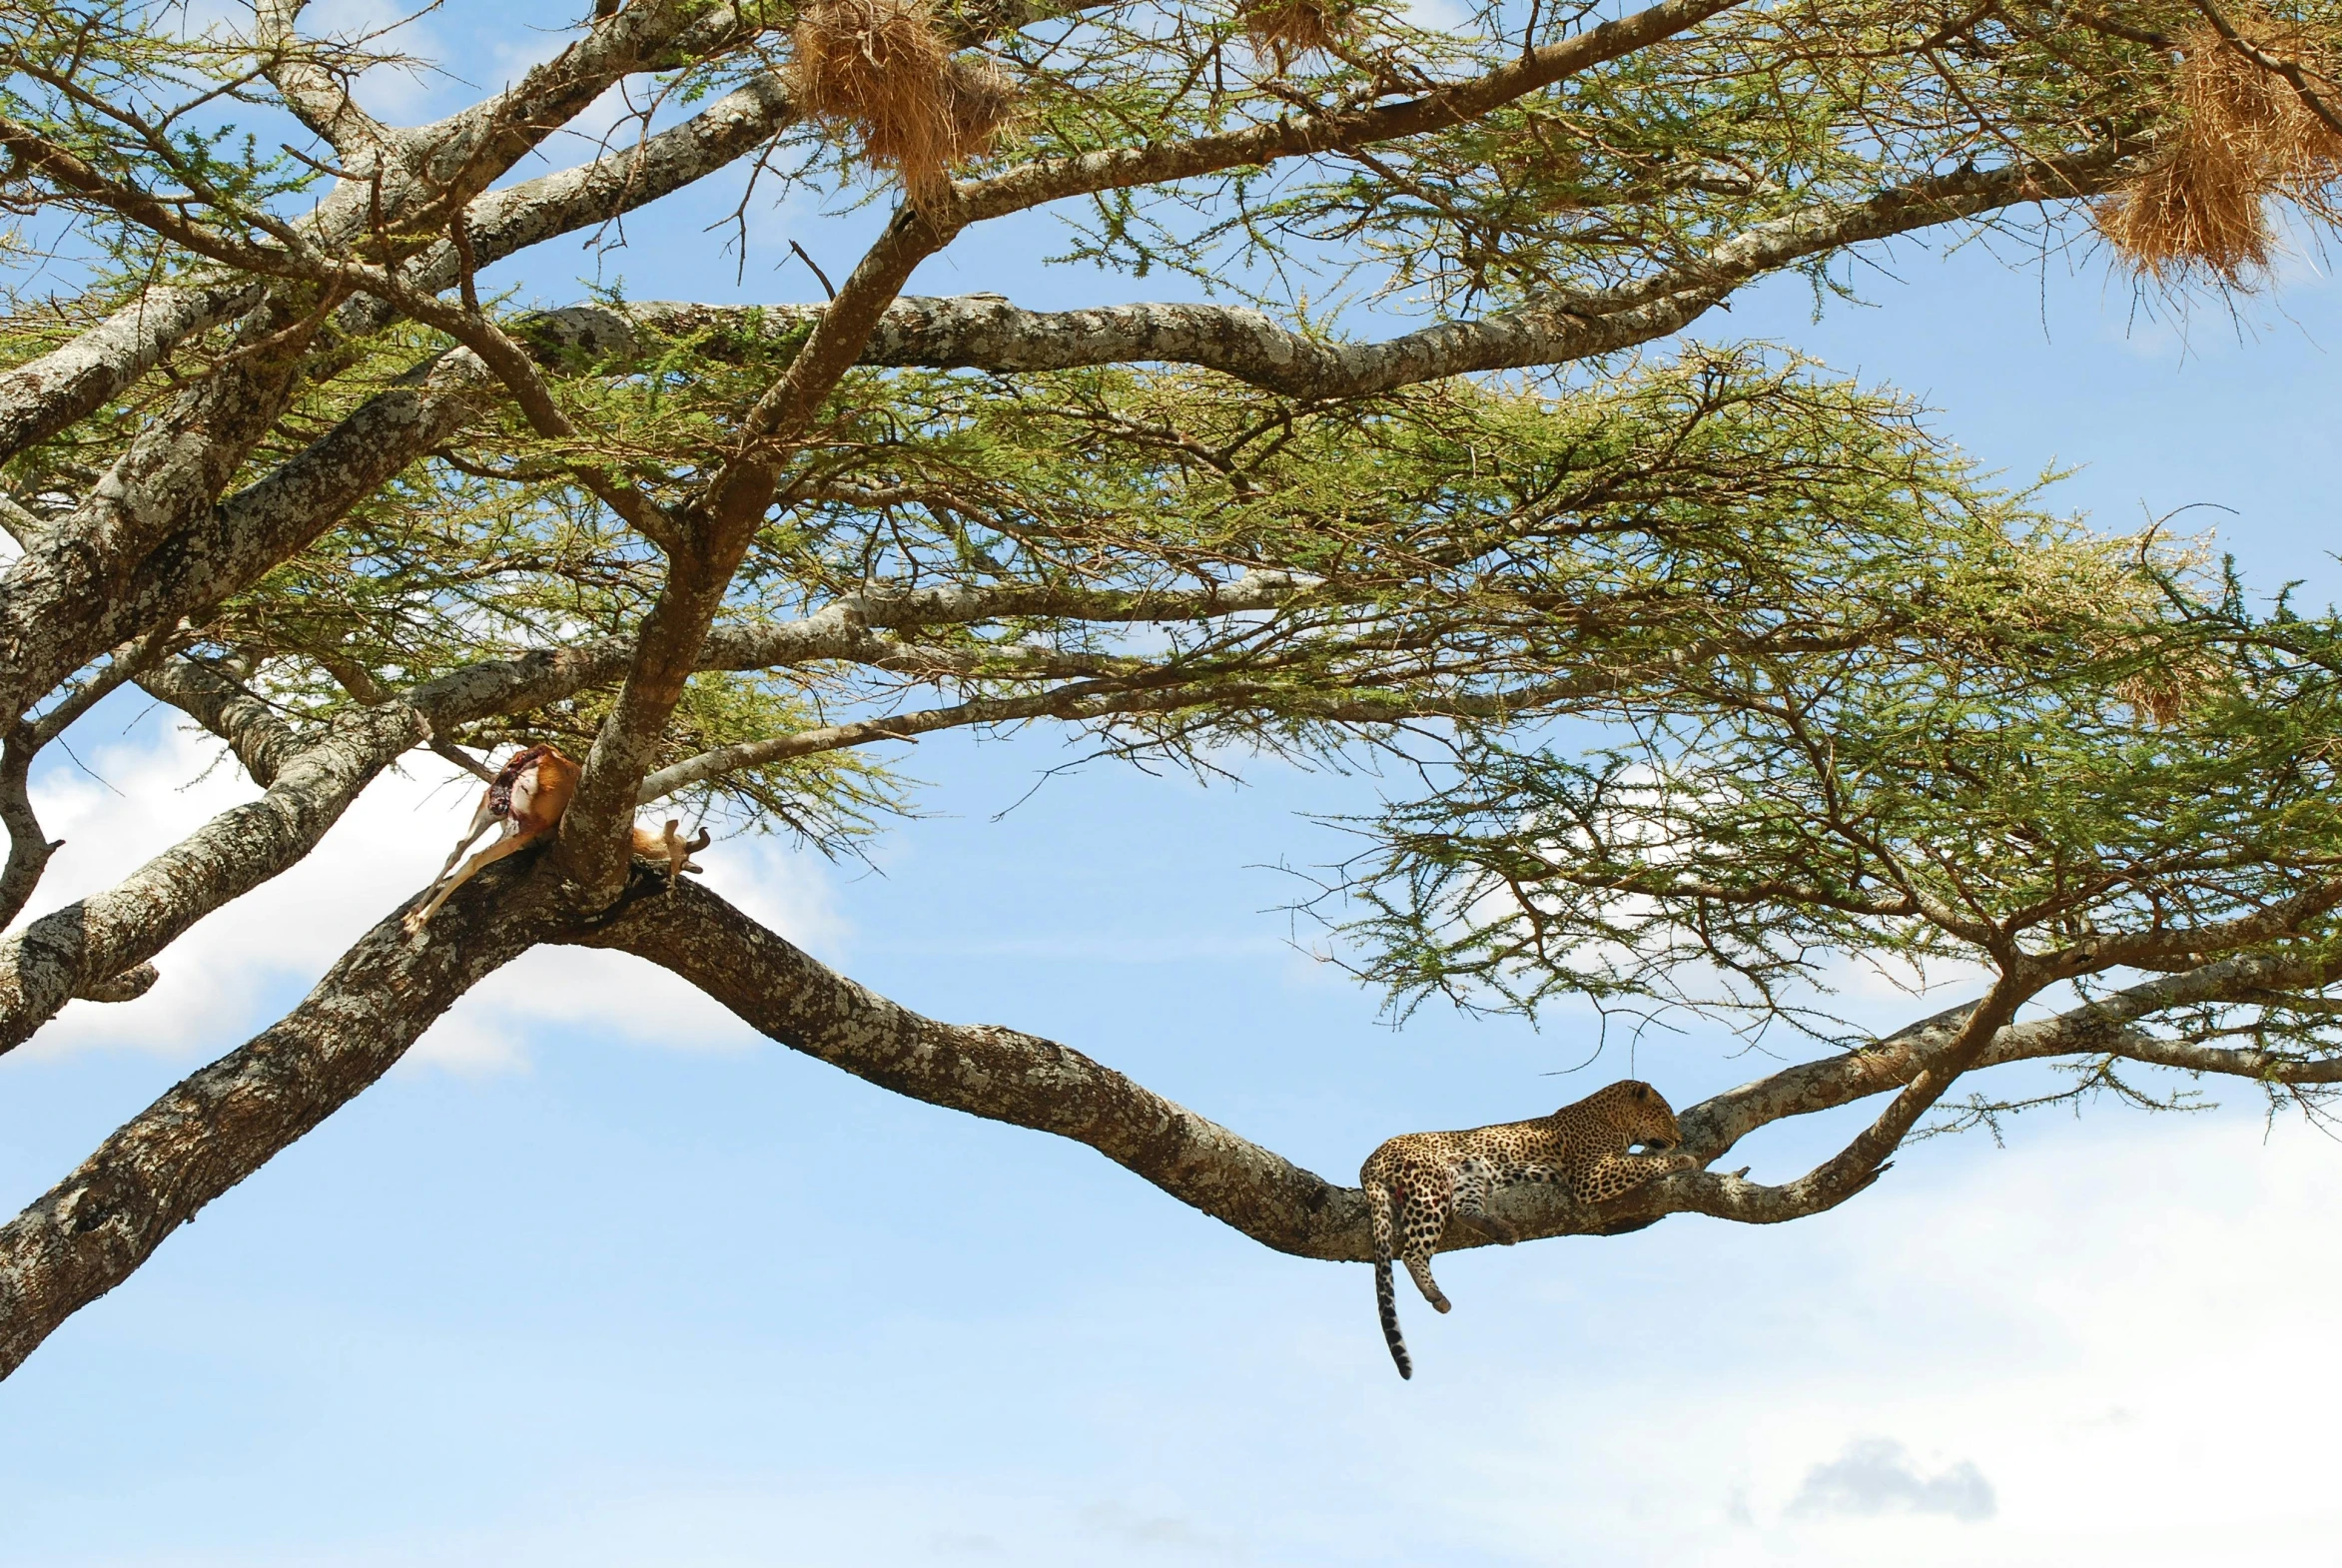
(526, 800)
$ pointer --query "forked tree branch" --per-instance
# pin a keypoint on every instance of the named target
(699, 574)
(1008, 1076)
(223, 1122)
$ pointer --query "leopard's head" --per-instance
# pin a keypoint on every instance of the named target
(1640, 1113)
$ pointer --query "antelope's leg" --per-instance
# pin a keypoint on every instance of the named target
(472, 868)
(482, 821)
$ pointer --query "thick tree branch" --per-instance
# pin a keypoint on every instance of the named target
(315, 95)
(64, 607)
(87, 1235)
(221, 1124)
(43, 395)
(594, 829)
(29, 848)
(1007, 1076)
(987, 332)
(90, 943)
(261, 740)
(999, 1074)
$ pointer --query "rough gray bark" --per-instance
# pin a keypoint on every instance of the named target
(43, 395)
(187, 515)
(220, 1125)
(88, 1234)
(1005, 1074)
(988, 332)
(90, 942)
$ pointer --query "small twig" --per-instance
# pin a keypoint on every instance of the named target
(2290, 71)
(817, 272)
(466, 263)
(318, 165)
(465, 760)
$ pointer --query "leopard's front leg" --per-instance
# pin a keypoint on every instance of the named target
(1610, 1175)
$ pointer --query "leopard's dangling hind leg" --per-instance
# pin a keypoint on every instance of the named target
(1422, 1219)
(1419, 1267)
(1385, 1287)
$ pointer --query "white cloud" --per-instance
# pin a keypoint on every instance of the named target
(243, 964)
(2098, 1351)
(1874, 1475)
(1132, 1528)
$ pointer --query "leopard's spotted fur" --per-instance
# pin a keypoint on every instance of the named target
(1416, 1181)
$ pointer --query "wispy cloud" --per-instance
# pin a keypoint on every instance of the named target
(1874, 1476)
(1127, 1524)
(1098, 950)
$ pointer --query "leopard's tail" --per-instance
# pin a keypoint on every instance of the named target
(1385, 1289)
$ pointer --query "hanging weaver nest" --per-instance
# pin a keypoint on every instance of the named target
(882, 68)
(2244, 136)
(1284, 31)
(2163, 692)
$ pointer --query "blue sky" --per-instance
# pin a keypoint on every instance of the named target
(599, 1278)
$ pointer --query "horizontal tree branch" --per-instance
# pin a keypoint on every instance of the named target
(987, 332)
(221, 1123)
(1008, 1076)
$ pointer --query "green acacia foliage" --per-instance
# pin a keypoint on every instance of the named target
(1862, 700)
(2150, 791)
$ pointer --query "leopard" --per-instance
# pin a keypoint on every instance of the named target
(1418, 1182)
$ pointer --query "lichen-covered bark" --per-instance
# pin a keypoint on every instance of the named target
(88, 1234)
(988, 332)
(63, 606)
(90, 942)
(221, 1123)
(999, 1074)
(218, 361)
(1005, 1074)
(43, 395)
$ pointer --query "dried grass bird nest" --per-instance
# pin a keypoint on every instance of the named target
(2244, 136)
(883, 69)
(1282, 31)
